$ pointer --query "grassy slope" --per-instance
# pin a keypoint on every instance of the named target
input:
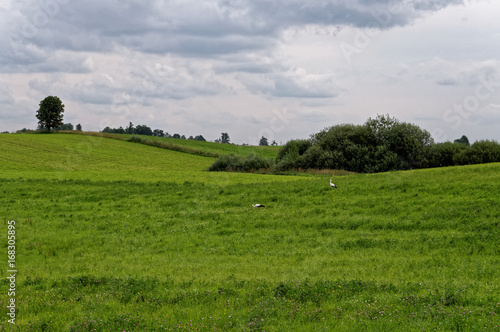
(63, 156)
(417, 249)
(263, 151)
(201, 148)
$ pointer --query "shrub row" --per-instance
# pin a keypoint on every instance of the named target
(236, 163)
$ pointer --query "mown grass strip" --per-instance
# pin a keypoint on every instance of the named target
(174, 147)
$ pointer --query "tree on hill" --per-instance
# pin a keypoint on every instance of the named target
(50, 113)
(79, 127)
(263, 141)
(224, 138)
(200, 138)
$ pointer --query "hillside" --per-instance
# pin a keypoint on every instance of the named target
(195, 147)
(159, 244)
(71, 156)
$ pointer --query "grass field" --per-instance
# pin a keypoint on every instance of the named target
(210, 149)
(117, 236)
(63, 156)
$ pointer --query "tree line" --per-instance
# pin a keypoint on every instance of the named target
(147, 131)
(379, 145)
(50, 117)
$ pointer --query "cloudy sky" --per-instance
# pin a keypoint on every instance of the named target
(281, 69)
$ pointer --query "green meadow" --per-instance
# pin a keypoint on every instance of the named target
(119, 236)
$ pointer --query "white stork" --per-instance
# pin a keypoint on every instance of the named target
(258, 205)
(332, 185)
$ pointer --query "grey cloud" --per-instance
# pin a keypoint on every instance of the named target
(201, 28)
(100, 92)
(30, 58)
(52, 84)
(293, 84)
(462, 74)
(173, 79)
(6, 96)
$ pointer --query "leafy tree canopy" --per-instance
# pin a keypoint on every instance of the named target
(50, 113)
(463, 140)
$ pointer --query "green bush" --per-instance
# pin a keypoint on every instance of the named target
(381, 144)
(236, 163)
(480, 152)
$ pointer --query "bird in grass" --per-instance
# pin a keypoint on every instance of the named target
(332, 185)
(258, 205)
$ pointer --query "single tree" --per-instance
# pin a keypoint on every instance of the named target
(224, 138)
(263, 141)
(50, 113)
(79, 127)
(130, 129)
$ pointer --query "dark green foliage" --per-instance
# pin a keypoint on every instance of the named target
(130, 128)
(453, 154)
(224, 138)
(442, 154)
(158, 133)
(381, 144)
(462, 140)
(480, 152)
(109, 130)
(50, 113)
(263, 141)
(232, 162)
(143, 130)
(146, 131)
(200, 138)
(290, 155)
(65, 126)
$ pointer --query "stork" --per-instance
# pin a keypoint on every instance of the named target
(258, 205)
(332, 185)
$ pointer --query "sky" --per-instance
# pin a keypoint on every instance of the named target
(251, 68)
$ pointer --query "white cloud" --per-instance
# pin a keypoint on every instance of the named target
(294, 83)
